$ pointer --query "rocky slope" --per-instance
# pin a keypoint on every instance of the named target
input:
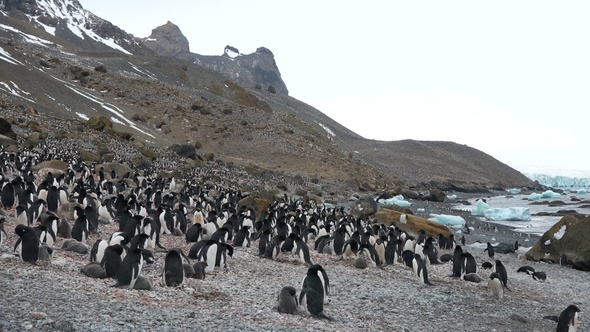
(163, 100)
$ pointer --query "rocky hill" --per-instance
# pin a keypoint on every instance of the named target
(58, 60)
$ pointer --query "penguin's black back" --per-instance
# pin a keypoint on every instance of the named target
(173, 269)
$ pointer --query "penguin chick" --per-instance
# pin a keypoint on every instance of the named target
(287, 300)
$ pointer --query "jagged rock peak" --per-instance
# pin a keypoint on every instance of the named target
(230, 51)
(168, 40)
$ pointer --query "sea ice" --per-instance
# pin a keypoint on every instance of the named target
(480, 207)
(534, 197)
(514, 191)
(581, 191)
(550, 194)
(508, 214)
(447, 220)
(396, 200)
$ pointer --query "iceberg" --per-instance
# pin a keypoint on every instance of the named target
(451, 197)
(550, 194)
(560, 181)
(508, 214)
(514, 191)
(447, 220)
(581, 191)
(396, 200)
(534, 197)
(480, 207)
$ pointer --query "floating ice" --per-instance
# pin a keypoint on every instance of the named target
(534, 197)
(581, 191)
(560, 233)
(550, 194)
(508, 214)
(447, 220)
(514, 191)
(480, 207)
(451, 197)
(396, 200)
(560, 181)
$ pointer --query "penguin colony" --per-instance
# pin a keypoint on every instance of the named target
(149, 208)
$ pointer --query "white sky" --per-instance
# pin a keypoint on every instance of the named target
(510, 78)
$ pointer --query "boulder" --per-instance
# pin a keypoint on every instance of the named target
(259, 205)
(89, 156)
(6, 129)
(363, 207)
(99, 123)
(435, 195)
(7, 141)
(119, 168)
(412, 225)
(569, 236)
(185, 150)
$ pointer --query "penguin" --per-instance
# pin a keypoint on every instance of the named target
(287, 299)
(568, 319)
(264, 241)
(21, 216)
(173, 274)
(27, 246)
(94, 270)
(501, 271)
(105, 211)
(45, 252)
(468, 264)
(35, 210)
(130, 269)
(408, 258)
(111, 260)
(199, 268)
(473, 277)
(312, 293)
(495, 285)
(339, 238)
(563, 260)
(193, 233)
(431, 253)
(64, 229)
(457, 255)
(215, 254)
(301, 250)
(92, 218)
(138, 241)
(526, 269)
(53, 202)
(8, 196)
(3, 234)
(490, 250)
(119, 238)
(350, 250)
(80, 229)
(420, 269)
(446, 258)
(51, 223)
(487, 265)
(97, 251)
(242, 238)
(538, 275)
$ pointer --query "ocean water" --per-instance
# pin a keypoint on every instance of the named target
(538, 225)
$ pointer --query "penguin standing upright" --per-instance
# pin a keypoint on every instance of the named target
(97, 251)
(420, 269)
(92, 218)
(53, 201)
(80, 229)
(457, 254)
(111, 260)
(501, 270)
(173, 274)
(490, 250)
(568, 319)
(8, 196)
(130, 269)
(312, 293)
(27, 246)
(21, 216)
(495, 285)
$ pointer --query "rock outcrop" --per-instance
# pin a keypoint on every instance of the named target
(569, 236)
(412, 225)
(168, 40)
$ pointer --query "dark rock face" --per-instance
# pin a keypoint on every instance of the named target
(258, 68)
(6, 129)
(567, 237)
(168, 40)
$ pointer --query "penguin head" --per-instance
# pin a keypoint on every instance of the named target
(494, 275)
(21, 230)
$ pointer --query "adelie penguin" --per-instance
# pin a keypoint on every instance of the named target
(495, 285)
(501, 271)
(173, 274)
(568, 319)
(27, 246)
(130, 269)
(490, 250)
(312, 293)
(420, 270)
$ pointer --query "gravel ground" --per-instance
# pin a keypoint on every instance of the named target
(56, 296)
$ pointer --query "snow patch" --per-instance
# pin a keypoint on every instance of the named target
(560, 233)
(15, 90)
(548, 242)
(4, 55)
(29, 38)
(83, 116)
(328, 130)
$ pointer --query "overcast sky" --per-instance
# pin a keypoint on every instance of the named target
(510, 78)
